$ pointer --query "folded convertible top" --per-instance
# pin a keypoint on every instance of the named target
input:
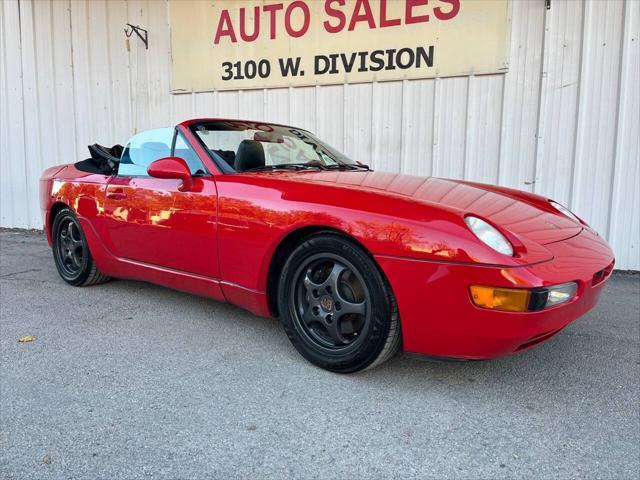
(103, 160)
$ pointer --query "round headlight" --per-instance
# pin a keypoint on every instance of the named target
(564, 210)
(489, 235)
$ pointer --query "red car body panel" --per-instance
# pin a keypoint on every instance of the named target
(219, 240)
(428, 290)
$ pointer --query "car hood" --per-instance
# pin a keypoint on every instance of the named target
(508, 210)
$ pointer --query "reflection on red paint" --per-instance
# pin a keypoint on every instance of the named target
(219, 240)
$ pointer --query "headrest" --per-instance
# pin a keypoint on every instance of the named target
(250, 155)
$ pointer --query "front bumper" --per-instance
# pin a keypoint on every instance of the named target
(439, 319)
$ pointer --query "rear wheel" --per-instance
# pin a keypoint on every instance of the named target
(71, 252)
(337, 308)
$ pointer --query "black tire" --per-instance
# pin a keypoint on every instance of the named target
(71, 252)
(336, 306)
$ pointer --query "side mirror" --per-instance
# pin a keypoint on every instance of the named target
(172, 167)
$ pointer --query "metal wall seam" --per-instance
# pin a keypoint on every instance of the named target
(624, 225)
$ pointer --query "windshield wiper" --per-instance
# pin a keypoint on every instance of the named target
(309, 166)
(348, 166)
(284, 166)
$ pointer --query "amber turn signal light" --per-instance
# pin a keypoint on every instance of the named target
(519, 300)
(507, 299)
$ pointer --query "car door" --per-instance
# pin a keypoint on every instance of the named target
(148, 220)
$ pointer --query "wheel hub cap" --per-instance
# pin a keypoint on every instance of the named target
(326, 302)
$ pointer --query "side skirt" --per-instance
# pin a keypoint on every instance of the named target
(109, 264)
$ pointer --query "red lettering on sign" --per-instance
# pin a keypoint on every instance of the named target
(455, 8)
(361, 17)
(335, 13)
(272, 9)
(305, 23)
(225, 28)
(409, 16)
(338, 16)
(384, 21)
(256, 25)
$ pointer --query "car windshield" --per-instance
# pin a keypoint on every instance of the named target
(251, 146)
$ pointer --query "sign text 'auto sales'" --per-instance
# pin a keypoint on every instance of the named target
(229, 44)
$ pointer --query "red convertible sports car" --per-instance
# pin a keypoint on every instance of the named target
(355, 263)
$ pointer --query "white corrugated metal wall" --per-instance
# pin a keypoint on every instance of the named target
(563, 122)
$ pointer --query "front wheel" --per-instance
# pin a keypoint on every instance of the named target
(71, 252)
(337, 308)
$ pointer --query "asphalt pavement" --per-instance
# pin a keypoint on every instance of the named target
(131, 380)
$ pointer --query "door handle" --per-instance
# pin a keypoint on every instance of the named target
(116, 194)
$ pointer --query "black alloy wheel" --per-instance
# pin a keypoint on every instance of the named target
(336, 306)
(70, 249)
(71, 252)
(331, 301)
